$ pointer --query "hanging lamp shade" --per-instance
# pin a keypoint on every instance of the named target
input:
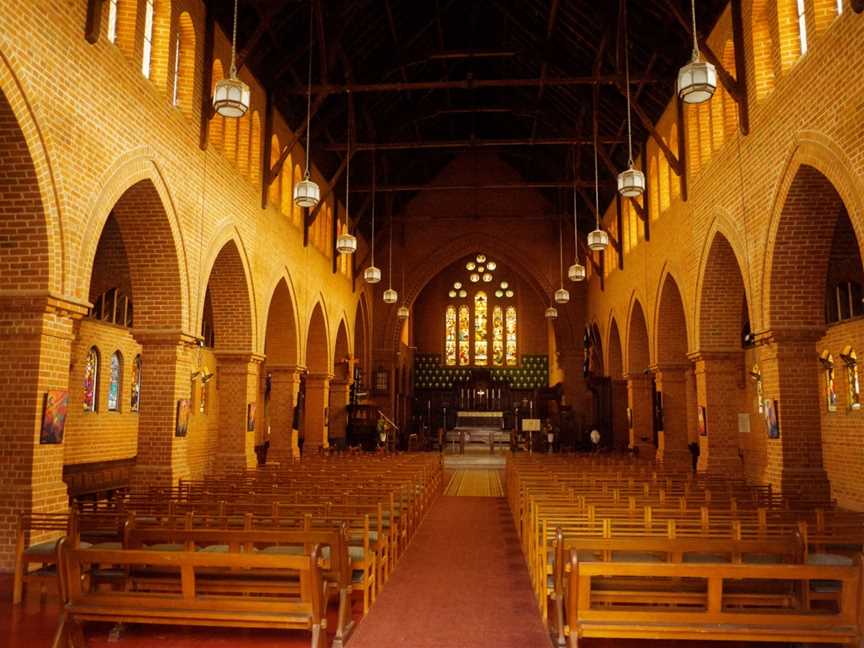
(372, 275)
(562, 296)
(697, 81)
(231, 97)
(346, 244)
(631, 183)
(551, 313)
(307, 194)
(402, 312)
(576, 272)
(390, 296)
(598, 240)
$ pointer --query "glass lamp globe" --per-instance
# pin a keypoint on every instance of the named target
(452, 294)
(474, 278)
(598, 240)
(231, 97)
(576, 272)
(505, 285)
(552, 313)
(499, 293)
(463, 293)
(487, 277)
(481, 258)
(509, 293)
(470, 265)
(491, 265)
(346, 244)
(307, 194)
(457, 285)
(372, 275)
(562, 296)
(631, 183)
(403, 313)
(697, 81)
(390, 296)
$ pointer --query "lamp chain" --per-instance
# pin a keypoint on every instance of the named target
(390, 253)
(309, 91)
(695, 39)
(561, 251)
(374, 187)
(234, 44)
(627, 79)
(596, 184)
(575, 218)
(348, 169)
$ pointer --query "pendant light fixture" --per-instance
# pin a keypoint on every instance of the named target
(307, 194)
(551, 313)
(231, 95)
(390, 295)
(346, 243)
(562, 295)
(403, 313)
(598, 239)
(575, 272)
(631, 183)
(697, 80)
(372, 275)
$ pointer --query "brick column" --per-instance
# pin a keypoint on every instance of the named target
(639, 401)
(167, 359)
(672, 449)
(620, 437)
(317, 399)
(791, 375)
(284, 383)
(36, 335)
(340, 391)
(718, 378)
(238, 387)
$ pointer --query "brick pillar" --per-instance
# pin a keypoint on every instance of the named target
(718, 381)
(166, 368)
(339, 393)
(671, 381)
(791, 375)
(620, 434)
(284, 383)
(639, 401)
(35, 350)
(317, 400)
(238, 387)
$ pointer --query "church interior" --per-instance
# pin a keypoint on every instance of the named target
(377, 323)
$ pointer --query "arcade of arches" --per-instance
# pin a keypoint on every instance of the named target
(162, 295)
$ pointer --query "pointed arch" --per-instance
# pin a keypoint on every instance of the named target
(615, 363)
(638, 350)
(341, 352)
(670, 324)
(185, 55)
(281, 338)
(318, 341)
(231, 294)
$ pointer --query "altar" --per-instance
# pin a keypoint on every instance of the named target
(479, 427)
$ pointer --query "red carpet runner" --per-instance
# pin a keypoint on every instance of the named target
(462, 583)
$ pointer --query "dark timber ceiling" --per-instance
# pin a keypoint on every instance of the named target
(489, 72)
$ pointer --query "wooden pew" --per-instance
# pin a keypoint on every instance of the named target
(47, 529)
(192, 604)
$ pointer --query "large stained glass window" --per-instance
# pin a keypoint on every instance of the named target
(114, 383)
(511, 336)
(464, 335)
(497, 336)
(480, 333)
(450, 336)
(91, 380)
(135, 401)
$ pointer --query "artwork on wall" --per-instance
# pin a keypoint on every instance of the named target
(182, 427)
(743, 423)
(827, 361)
(91, 380)
(135, 398)
(202, 398)
(772, 418)
(853, 382)
(756, 375)
(250, 417)
(54, 416)
(702, 420)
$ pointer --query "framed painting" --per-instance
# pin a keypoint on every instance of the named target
(183, 410)
(250, 417)
(54, 409)
(772, 418)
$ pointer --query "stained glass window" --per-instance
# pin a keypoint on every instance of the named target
(464, 335)
(511, 336)
(91, 380)
(481, 342)
(135, 399)
(450, 336)
(114, 383)
(497, 336)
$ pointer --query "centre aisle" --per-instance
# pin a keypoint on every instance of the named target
(462, 583)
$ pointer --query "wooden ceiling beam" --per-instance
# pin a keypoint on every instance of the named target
(469, 143)
(674, 163)
(552, 184)
(265, 22)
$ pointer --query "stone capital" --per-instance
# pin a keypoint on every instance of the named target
(318, 377)
(43, 301)
(788, 335)
(164, 337)
(238, 357)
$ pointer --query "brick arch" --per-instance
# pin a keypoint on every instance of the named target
(280, 337)
(615, 363)
(722, 298)
(670, 324)
(231, 293)
(597, 350)
(318, 341)
(816, 188)
(26, 172)
(342, 349)
(361, 332)
(638, 352)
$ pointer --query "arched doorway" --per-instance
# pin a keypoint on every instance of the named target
(317, 382)
(281, 373)
(640, 383)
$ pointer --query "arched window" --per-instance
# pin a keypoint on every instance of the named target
(91, 380)
(827, 361)
(674, 182)
(481, 342)
(275, 188)
(286, 189)
(243, 144)
(763, 50)
(112, 21)
(511, 336)
(135, 398)
(653, 187)
(229, 144)
(147, 54)
(255, 149)
(843, 301)
(115, 382)
(694, 156)
(184, 64)
(800, 10)
(464, 335)
(497, 336)
(450, 336)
